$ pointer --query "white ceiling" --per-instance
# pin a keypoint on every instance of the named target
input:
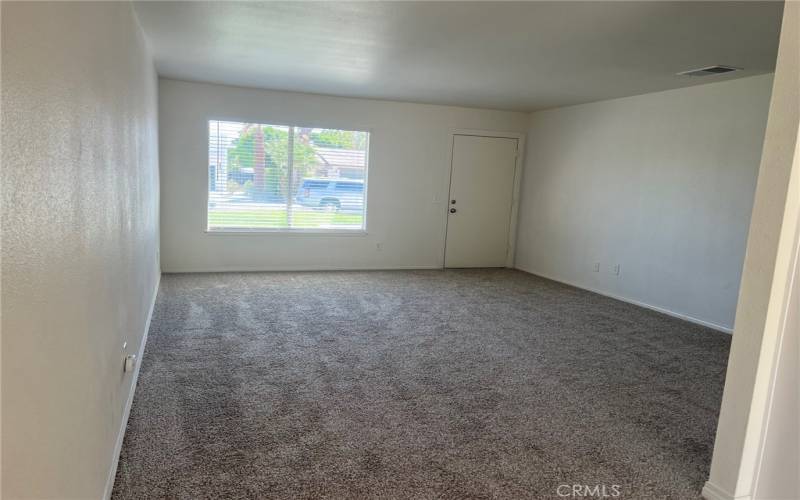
(517, 55)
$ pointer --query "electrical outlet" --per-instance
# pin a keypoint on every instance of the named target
(596, 267)
(616, 269)
(130, 363)
(379, 246)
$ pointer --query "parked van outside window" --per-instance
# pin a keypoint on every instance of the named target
(332, 194)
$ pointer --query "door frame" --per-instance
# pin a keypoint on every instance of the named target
(515, 194)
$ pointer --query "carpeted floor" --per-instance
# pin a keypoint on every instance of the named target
(416, 384)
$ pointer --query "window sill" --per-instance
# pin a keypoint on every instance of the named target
(286, 232)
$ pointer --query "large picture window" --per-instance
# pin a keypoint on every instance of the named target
(279, 177)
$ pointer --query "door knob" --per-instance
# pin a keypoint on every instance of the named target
(452, 210)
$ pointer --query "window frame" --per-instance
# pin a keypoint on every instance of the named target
(287, 231)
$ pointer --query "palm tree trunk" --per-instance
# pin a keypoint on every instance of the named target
(259, 160)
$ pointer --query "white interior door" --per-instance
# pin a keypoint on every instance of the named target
(481, 194)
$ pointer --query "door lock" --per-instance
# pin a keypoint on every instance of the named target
(452, 202)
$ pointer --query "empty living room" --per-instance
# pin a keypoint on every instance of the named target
(400, 250)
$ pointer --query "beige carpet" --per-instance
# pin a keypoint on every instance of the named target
(416, 384)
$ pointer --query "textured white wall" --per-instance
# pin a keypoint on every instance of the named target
(409, 169)
(79, 237)
(661, 184)
(762, 305)
(778, 478)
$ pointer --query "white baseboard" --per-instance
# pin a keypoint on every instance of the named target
(713, 492)
(269, 269)
(668, 312)
(126, 413)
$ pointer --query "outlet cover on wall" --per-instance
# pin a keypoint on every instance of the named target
(596, 267)
(616, 269)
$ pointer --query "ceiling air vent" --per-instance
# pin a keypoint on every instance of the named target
(709, 70)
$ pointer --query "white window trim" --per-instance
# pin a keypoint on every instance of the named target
(273, 232)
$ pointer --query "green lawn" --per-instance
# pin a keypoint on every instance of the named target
(276, 218)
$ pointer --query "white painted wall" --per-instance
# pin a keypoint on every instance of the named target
(761, 314)
(777, 472)
(79, 238)
(661, 184)
(408, 178)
